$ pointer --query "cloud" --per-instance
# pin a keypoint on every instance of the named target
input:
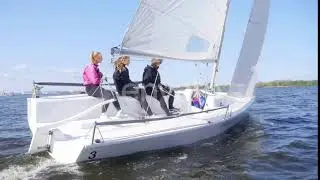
(71, 72)
(5, 75)
(20, 67)
(65, 70)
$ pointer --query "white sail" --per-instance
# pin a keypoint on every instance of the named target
(177, 29)
(243, 81)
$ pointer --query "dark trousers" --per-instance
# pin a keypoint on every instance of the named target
(158, 94)
(170, 93)
(138, 94)
(97, 91)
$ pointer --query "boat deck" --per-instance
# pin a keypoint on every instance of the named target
(121, 139)
(84, 129)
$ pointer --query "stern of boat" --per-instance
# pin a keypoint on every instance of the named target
(45, 113)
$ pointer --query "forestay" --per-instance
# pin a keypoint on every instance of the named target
(244, 77)
(177, 29)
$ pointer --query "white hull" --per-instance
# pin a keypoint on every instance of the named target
(71, 140)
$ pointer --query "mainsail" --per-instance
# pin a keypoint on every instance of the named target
(177, 29)
(243, 81)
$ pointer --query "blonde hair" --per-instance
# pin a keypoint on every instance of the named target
(93, 55)
(118, 64)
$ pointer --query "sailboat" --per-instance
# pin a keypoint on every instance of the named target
(71, 129)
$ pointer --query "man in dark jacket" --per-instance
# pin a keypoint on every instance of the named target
(151, 78)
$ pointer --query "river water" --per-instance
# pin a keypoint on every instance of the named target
(279, 140)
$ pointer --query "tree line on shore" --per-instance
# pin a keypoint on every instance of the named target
(278, 83)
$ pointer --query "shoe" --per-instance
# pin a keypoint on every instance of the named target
(173, 109)
(170, 113)
(150, 113)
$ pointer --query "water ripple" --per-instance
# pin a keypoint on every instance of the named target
(277, 141)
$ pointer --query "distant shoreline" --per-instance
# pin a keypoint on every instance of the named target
(288, 83)
(223, 88)
(283, 86)
(269, 84)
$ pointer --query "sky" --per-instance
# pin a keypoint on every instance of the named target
(51, 41)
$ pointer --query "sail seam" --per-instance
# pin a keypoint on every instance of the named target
(179, 20)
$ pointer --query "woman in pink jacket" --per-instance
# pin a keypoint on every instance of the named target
(92, 78)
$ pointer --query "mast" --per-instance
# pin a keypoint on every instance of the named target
(216, 62)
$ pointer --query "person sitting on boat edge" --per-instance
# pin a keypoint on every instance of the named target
(92, 77)
(152, 83)
(125, 86)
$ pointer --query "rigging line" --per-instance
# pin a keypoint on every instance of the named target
(91, 127)
(158, 118)
(154, 85)
(212, 82)
(166, 92)
(102, 97)
(100, 133)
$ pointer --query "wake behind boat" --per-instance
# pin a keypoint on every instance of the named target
(72, 129)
